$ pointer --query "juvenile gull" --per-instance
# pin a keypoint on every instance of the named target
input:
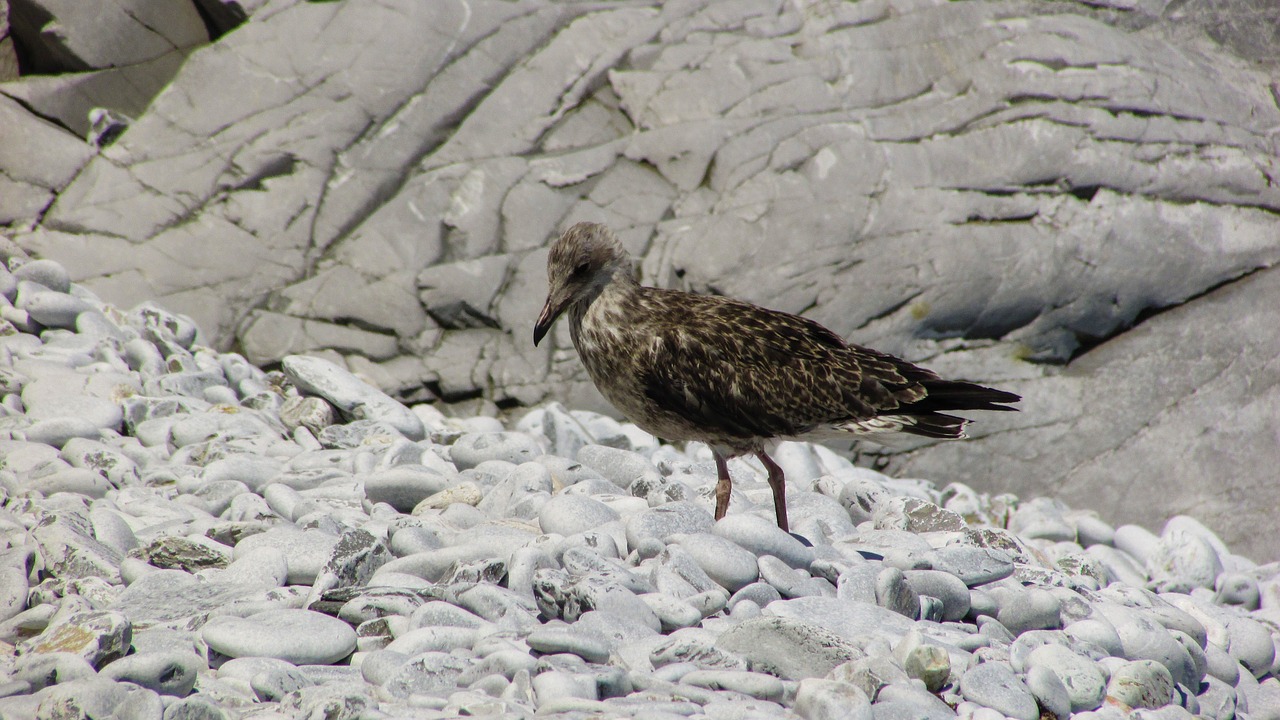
(735, 376)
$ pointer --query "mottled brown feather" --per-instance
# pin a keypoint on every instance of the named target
(728, 373)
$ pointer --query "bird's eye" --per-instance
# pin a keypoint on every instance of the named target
(581, 269)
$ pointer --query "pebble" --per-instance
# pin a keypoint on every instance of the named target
(296, 636)
(760, 536)
(1083, 682)
(1141, 684)
(993, 685)
(725, 562)
(350, 394)
(167, 673)
(567, 514)
(179, 528)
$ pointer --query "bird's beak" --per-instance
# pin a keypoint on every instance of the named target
(556, 303)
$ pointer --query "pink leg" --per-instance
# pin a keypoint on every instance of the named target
(779, 485)
(723, 486)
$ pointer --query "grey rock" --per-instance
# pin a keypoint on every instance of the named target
(670, 519)
(1251, 645)
(307, 550)
(1031, 609)
(428, 673)
(297, 636)
(789, 648)
(474, 448)
(916, 516)
(191, 553)
(1085, 685)
(43, 669)
(48, 273)
(432, 639)
(569, 639)
(568, 514)
(621, 467)
(894, 593)
(754, 684)
(819, 699)
(167, 673)
(99, 637)
(762, 537)
(725, 562)
(275, 684)
(351, 395)
(944, 586)
(1049, 691)
(993, 685)
(1141, 684)
(973, 565)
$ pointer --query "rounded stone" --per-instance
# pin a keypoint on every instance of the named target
(301, 637)
(730, 566)
(1049, 691)
(48, 273)
(1251, 645)
(353, 396)
(1141, 684)
(665, 520)
(307, 550)
(1084, 683)
(944, 586)
(167, 673)
(993, 685)
(404, 486)
(432, 639)
(571, 514)
(57, 431)
(1030, 609)
(55, 310)
(472, 449)
(568, 639)
(763, 537)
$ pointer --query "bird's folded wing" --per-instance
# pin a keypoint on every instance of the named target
(745, 371)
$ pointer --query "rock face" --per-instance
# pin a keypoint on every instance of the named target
(1074, 201)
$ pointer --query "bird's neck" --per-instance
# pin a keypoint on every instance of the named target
(614, 290)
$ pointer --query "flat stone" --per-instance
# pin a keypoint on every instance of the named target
(568, 639)
(790, 648)
(1084, 683)
(763, 537)
(755, 684)
(167, 673)
(567, 514)
(471, 449)
(351, 395)
(432, 638)
(819, 699)
(993, 685)
(1141, 684)
(621, 467)
(724, 561)
(430, 673)
(307, 550)
(98, 636)
(404, 486)
(666, 520)
(296, 636)
(944, 586)
(973, 565)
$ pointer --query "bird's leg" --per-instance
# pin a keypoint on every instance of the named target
(724, 485)
(779, 485)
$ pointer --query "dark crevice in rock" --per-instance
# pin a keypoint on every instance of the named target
(51, 119)
(1089, 342)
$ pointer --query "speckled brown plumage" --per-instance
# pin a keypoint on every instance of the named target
(734, 375)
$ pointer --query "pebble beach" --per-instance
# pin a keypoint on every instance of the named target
(185, 536)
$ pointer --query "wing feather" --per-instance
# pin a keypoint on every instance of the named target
(746, 371)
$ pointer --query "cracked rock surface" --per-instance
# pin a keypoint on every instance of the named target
(1073, 200)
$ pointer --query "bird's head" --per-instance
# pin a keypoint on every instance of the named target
(582, 261)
